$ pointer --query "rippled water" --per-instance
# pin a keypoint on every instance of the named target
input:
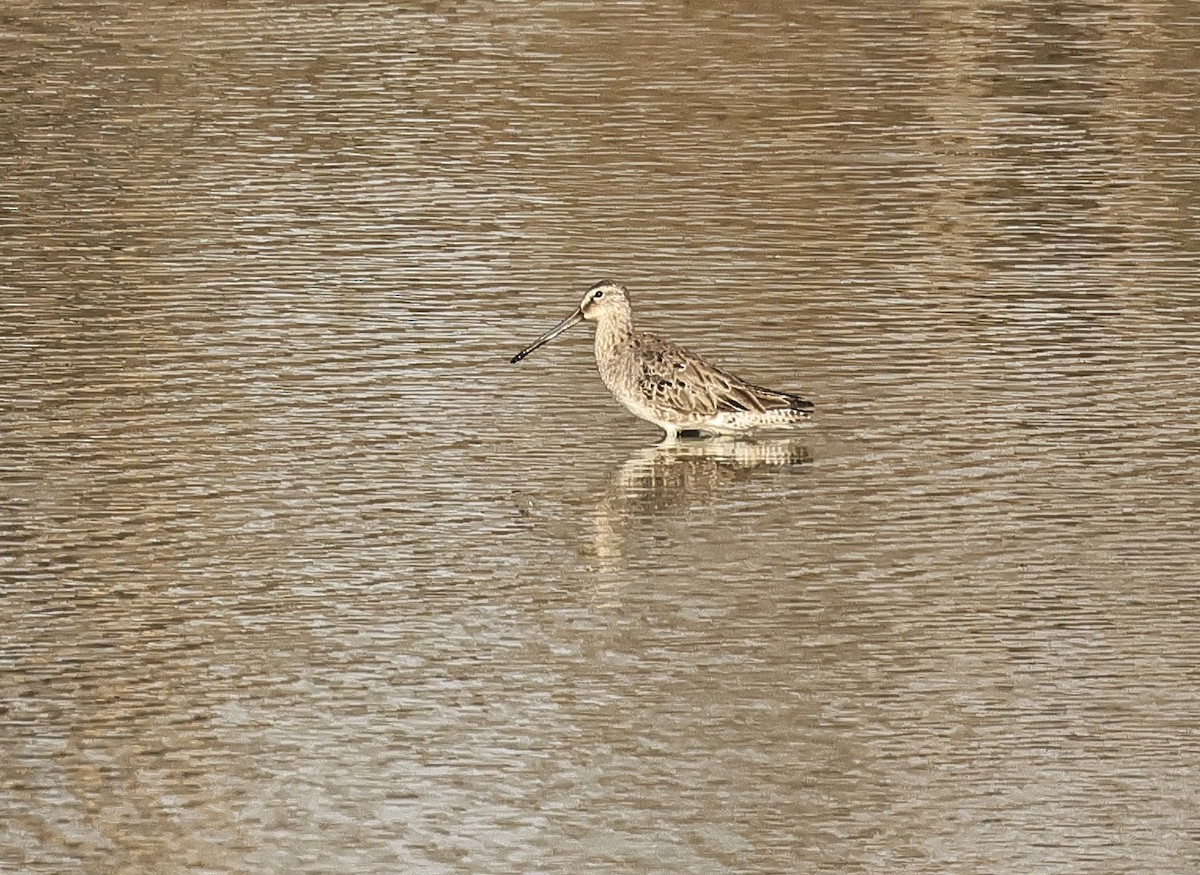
(300, 575)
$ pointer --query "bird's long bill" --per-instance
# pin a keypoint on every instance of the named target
(574, 319)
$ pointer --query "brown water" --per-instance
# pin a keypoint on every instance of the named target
(300, 575)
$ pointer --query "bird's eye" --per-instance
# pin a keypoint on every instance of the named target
(597, 296)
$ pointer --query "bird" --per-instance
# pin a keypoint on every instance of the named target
(663, 383)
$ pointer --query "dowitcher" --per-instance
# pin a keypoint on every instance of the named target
(666, 384)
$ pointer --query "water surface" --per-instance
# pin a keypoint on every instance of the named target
(300, 575)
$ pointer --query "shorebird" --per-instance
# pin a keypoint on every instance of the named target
(665, 384)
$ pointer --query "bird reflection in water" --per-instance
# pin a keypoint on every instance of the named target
(664, 478)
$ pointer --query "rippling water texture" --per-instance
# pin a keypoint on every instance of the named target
(301, 575)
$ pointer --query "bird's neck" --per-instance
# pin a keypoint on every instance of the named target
(613, 332)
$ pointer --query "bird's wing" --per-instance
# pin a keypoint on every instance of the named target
(674, 377)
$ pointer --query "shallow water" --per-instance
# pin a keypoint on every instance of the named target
(300, 575)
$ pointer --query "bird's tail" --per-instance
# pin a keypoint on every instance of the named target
(785, 401)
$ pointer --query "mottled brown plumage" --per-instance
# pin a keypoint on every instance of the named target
(666, 384)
